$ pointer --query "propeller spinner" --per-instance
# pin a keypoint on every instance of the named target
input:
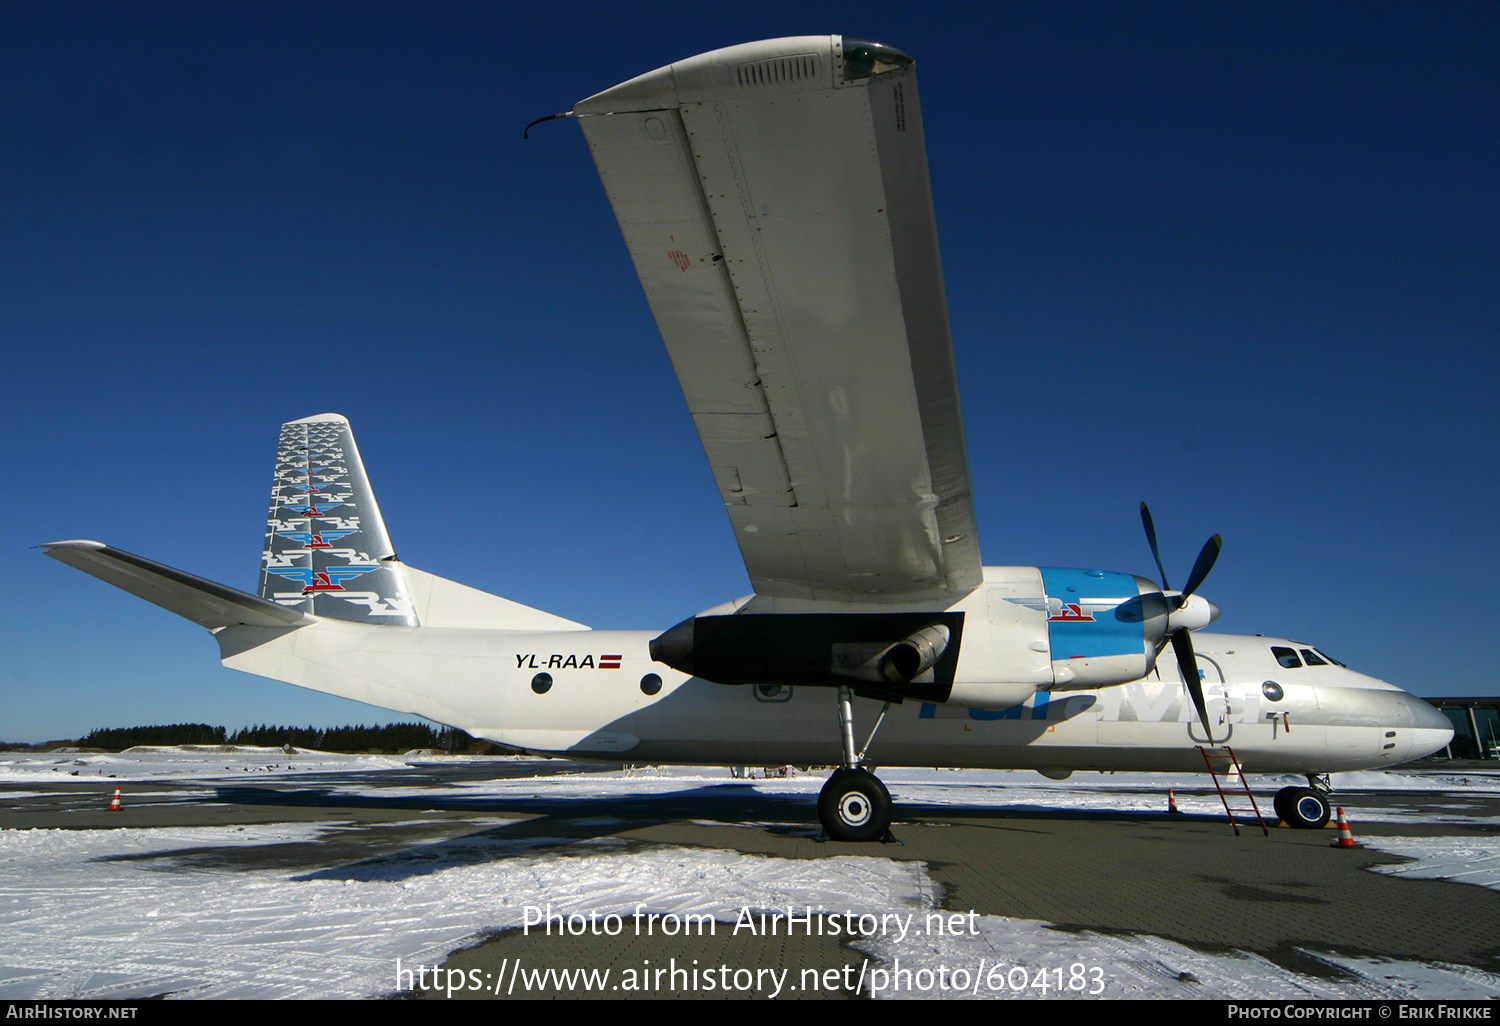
(1180, 627)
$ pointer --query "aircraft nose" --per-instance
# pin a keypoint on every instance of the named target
(1426, 717)
(1431, 730)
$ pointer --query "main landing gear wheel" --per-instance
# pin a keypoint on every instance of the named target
(1302, 807)
(855, 806)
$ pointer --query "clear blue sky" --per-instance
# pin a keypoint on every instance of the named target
(1239, 260)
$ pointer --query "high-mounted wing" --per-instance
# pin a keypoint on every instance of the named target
(775, 201)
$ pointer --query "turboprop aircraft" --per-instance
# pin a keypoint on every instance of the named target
(774, 198)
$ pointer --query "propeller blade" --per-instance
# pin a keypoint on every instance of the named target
(1202, 567)
(1151, 537)
(1187, 662)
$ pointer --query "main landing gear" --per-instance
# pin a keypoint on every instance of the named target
(854, 805)
(1306, 808)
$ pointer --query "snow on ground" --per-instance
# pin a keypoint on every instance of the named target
(1465, 859)
(219, 762)
(185, 761)
(79, 921)
(76, 927)
(1148, 967)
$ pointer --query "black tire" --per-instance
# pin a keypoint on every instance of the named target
(854, 806)
(1302, 807)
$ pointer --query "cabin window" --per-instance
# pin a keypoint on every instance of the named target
(1272, 691)
(1286, 657)
(650, 683)
(541, 683)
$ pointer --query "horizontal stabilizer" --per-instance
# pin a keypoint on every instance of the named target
(201, 601)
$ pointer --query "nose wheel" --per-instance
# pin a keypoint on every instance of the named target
(854, 805)
(1302, 807)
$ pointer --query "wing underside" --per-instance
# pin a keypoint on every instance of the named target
(777, 208)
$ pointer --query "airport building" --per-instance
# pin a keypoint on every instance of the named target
(1476, 726)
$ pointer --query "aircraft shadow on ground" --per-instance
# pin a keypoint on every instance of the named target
(563, 826)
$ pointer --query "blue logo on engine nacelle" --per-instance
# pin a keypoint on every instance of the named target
(1083, 613)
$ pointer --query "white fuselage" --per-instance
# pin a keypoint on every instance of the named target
(1327, 718)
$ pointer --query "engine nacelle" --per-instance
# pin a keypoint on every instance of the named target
(1103, 628)
(1045, 628)
(895, 655)
(913, 656)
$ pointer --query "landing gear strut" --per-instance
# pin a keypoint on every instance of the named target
(854, 805)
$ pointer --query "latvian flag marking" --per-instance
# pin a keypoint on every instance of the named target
(609, 662)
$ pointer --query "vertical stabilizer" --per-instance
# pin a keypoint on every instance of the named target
(327, 551)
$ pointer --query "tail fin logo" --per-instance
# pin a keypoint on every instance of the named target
(315, 511)
(323, 580)
(324, 529)
(312, 540)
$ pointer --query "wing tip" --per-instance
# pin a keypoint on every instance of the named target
(73, 543)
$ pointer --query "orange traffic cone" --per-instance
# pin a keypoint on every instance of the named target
(1346, 839)
(114, 804)
(1172, 803)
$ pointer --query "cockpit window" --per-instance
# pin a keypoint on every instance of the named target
(1311, 658)
(1286, 657)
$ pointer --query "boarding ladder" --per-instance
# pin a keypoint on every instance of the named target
(1224, 766)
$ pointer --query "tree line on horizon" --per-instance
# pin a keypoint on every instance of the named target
(392, 737)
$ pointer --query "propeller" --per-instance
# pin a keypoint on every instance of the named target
(1181, 637)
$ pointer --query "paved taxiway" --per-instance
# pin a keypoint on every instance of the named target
(1186, 877)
